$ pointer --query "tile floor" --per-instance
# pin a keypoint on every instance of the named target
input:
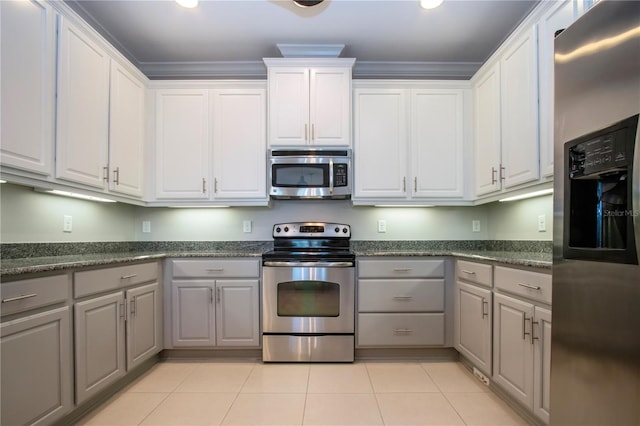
(251, 393)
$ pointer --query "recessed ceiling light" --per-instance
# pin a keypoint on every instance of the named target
(430, 4)
(189, 4)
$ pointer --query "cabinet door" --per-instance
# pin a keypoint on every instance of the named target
(100, 344)
(182, 144)
(239, 143)
(330, 106)
(193, 313)
(237, 313)
(557, 18)
(473, 329)
(288, 106)
(126, 132)
(27, 33)
(541, 362)
(143, 323)
(519, 96)
(437, 128)
(380, 146)
(83, 108)
(36, 368)
(512, 348)
(487, 130)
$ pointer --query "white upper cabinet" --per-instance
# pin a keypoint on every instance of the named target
(506, 117)
(27, 33)
(238, 119)
(182, 144)
(519, 103)
(487, 130)
(309, 101)
(210, 142)
(83, 108)
(126, 132)
(409, 142)
(557, 18)
(380, 144)
(437, 136)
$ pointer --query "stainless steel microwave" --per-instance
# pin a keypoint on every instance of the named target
(310, 173)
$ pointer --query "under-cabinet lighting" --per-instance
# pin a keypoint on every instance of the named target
(528, 195)
(199, 207)
(189, 4)
(430, 4)
(403, 205)
(76, 195)
(3, 181)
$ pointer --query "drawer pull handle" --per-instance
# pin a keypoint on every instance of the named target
(126, 277)
(402, 331)
(468, 272)
(402, 269)
(533, 287)
(214, 269)
(407, 298)
(15, 299)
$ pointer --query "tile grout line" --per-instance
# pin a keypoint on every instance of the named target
(226, 414)
(375, 394)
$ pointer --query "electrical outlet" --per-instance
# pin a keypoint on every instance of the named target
(475, 225)
(382, 225)
(484, 379)
(67, 223)
(246, 226)
(542, 223)
(146, 226)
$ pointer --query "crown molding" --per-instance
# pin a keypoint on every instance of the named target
(258, 70)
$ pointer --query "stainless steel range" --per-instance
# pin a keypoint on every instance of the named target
(309, 294)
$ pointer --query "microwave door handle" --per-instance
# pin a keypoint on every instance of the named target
(331, 176)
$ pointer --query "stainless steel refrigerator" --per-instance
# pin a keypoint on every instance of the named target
(595, 340)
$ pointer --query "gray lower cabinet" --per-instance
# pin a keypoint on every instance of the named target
(522, 344)
(215, 313)
(473, 309)
(221, 310)
(36, 368)
(100, 344)
(116, 331)
(401, 303)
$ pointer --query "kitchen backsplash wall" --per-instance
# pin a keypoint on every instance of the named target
(28, 216)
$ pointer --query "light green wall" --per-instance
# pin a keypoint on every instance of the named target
(28, 216)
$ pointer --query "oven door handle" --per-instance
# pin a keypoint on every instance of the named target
(312, 264)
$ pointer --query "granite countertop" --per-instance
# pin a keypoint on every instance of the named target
(20, 266)
(533, 259)
(35, 259)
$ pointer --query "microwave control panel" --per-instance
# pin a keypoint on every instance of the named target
(340, 175)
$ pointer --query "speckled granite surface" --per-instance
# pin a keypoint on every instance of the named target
(25, 258)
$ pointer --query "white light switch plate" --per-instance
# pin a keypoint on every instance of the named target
(246, 226)
(382, 225)
(542, 223)
(475, 225)
(146, 226)
(67, 224)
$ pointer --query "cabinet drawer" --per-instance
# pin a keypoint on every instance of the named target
(401, 295)
(19, 296)
(478, 273)
(100, 280)
(400, 329)
(216, 268)
(401, 268)
(534, 285)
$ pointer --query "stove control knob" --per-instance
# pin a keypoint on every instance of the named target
(337, 229)
(344, 230)
(286, 229)
(278, 229)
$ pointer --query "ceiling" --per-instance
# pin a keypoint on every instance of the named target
(229, 38)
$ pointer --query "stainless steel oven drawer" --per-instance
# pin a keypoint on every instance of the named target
(299, 348)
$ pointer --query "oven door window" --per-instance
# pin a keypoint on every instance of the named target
(300, 175)
(308, 299)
